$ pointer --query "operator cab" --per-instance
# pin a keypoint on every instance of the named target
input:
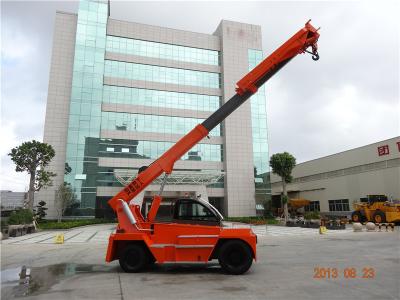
(196, 211)
(376, 198)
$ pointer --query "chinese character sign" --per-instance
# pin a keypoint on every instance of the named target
(383, 150)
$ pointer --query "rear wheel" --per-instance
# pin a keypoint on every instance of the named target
(379, 217)
(133, 258)
(356, 216)
(235, 257)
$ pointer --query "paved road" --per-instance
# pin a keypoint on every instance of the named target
(100, 234)
(285, 269)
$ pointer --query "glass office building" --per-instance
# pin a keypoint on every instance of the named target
(122, 93)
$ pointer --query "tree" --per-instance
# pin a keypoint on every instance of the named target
(65, 197)
(282, 165)
(40, 212)
(33, 157)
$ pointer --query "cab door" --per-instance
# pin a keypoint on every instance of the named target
(191, 211)
(180, 241)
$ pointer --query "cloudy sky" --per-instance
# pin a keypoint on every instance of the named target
(349, 98)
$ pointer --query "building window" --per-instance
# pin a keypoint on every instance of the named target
(119, 69)
(151, 123)
(313, 206)
(154, 149)
(339, 205)
(155, 98)
(162, 51)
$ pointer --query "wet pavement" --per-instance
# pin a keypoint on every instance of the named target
(285, 269)
(25, 281)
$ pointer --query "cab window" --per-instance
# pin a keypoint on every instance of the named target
(190, 210)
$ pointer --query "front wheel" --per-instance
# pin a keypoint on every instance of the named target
(379, 217)
(235, 257)
(133, 258)
(356, 216)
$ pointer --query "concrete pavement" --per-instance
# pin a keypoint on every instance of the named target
(285, 269)
(85, 234)
(100, 233)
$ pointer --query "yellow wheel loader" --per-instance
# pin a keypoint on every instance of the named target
(376, 209)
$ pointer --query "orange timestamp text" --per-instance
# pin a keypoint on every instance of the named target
(347, 273)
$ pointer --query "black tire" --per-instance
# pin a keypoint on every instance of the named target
(356, 216)
(133, 258)
(152, 260)
(235, 257)
(379, 217)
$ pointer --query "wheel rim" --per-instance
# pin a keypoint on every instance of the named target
(355, 218)
(378, 219)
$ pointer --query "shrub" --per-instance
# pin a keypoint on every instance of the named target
(22, 216)
(66, 224)
(311, 215)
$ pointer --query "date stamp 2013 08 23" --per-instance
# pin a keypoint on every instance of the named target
(347, 273)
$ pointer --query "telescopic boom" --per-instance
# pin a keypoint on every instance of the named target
(299, 43)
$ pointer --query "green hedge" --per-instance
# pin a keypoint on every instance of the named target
(22, 216)
(311, 215)
(66, 224)
(252, 220)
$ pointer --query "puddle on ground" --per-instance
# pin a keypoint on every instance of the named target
(26, 281)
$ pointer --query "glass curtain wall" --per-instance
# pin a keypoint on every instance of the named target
(120, 69)
(161, 50)
(260, 135)
(86, 97)
(151, 123)
(86, 119)
(156, 98)
(154, 149)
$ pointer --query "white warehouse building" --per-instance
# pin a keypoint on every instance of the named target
(333, 183)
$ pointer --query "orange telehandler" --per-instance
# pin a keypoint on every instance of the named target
(196, 233)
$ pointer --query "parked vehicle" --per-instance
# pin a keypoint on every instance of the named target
(377, 209)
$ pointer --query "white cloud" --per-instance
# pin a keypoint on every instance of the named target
(341, 118)
(349, 98)
(9, 179)
(8, 138)
(23, 96)
(15, 46)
